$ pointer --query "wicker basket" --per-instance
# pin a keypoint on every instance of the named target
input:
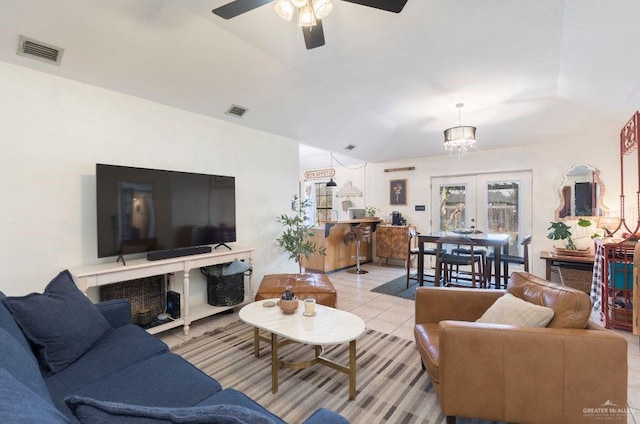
(621, 314)
(579, 279)
(142, 293)
(223, 290)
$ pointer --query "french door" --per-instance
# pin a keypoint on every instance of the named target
(490, 202)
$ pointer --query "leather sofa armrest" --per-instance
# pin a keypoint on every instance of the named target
(117, 312)
(435, 304)
(506, 372)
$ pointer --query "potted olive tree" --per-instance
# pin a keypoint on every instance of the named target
(296, 233)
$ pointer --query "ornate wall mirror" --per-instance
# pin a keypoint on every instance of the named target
(581, 193)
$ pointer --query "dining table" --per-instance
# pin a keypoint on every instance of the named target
(499, 242)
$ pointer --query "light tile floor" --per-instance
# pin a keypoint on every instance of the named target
(392, 315)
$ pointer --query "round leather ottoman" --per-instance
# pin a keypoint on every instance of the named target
(317, 286)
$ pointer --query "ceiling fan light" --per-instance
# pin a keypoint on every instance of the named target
(306, 17)
(322, 8)
(285, 9)
(299, 3)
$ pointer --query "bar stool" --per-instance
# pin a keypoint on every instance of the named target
(480, 251)
(414, 251)
(446, 261)
(360, 233)
(510, 259)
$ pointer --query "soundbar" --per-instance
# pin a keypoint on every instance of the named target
(176, 253)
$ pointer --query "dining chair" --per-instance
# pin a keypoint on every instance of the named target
(446, 261)
(509, 259)
(414, 252)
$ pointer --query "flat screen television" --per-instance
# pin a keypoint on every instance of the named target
(151, 210)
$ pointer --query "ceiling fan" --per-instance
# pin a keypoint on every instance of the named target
(310, 13)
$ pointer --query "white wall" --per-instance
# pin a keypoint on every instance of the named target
(53, 131)
(547, 161)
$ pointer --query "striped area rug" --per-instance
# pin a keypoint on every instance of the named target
(391, 385)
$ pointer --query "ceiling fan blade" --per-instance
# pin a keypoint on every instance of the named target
(313, 36)
(395, 6)
(238, 7)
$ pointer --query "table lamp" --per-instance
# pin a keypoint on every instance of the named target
(609, 223)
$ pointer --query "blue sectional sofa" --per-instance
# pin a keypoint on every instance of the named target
(66, 360)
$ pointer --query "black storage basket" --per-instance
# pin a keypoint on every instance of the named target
(223, 290)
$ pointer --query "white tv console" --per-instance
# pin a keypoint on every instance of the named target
(115, 272)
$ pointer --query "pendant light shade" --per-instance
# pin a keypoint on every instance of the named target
(459, 138)
(331, 183)
(299, 3)
(460, 135)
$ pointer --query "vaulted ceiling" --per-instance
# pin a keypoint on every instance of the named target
(387, 83)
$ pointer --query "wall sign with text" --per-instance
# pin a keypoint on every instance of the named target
(319, 174)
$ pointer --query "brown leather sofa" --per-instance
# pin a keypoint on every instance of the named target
(572, 371)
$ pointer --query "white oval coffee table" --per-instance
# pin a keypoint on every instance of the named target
(328, 327)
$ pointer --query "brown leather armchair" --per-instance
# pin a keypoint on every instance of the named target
(572, 371)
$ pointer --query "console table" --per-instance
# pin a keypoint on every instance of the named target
(577, 262)
(115, 272)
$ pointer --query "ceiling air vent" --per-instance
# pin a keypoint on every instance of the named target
(236, 111)
(40, 51)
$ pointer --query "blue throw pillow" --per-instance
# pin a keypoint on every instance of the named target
(61, 323)
(91, 411)
(9, 323)
(20, 363)
(19, 404)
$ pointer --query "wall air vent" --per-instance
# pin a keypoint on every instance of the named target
(40, 51)
(236, 111)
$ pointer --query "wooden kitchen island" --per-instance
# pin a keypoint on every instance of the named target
(339, 255)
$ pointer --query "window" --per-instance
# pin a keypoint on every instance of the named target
(452, 206)
(324, 203)
(502, 209)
